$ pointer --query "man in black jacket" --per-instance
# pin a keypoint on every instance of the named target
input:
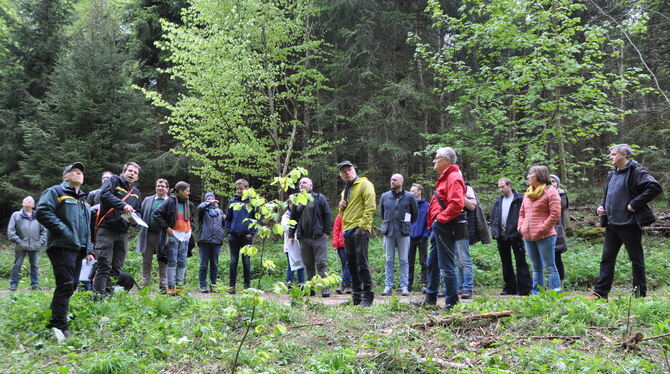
(118, 196)
(63, 211)
(505, 216)
(312, 229)
(624, 210)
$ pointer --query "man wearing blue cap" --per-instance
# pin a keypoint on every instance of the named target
(63, 210)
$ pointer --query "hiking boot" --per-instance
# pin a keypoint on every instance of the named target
(466, 295)
(231, 290)
(204, 290)
(447, 308)
(429, 301)
(356, 298)
(171, 291)
(404, 291)
(387, 291)
(367, 299)
(340, 289)
(325, 292)
(347, 289)
(13, 288)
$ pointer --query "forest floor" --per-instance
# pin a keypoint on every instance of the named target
(141, 332)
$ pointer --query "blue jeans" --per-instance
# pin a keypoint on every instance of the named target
(176, 266)
(541, 253)
(346, 274)
(465, 269)
(209, 258)
(289, 273)
(444, 244)
(34, 268)
(401, 243)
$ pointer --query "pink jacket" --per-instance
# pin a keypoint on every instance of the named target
(537, 218)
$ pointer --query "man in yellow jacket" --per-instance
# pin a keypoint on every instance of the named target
(356, 209)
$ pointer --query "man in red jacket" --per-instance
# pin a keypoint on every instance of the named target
(448, 222)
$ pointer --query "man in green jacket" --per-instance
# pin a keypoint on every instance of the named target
(63, 210)
(356, 209)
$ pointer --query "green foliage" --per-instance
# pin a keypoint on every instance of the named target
(529, 82)
(247, 70)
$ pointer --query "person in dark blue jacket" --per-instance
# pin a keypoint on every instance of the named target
(419, 238)
(239, 234)
(210, 217)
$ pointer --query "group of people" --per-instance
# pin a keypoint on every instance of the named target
(450, 221)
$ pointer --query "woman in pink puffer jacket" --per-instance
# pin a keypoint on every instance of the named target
(540, 210)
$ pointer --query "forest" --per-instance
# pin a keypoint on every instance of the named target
(211, 91)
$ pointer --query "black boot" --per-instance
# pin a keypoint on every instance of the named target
(429, 301)
(367, 299)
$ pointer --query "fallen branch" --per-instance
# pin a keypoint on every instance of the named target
(656, 337)
(309, 325)
(564, 337)
(460, 318)
(443, 363)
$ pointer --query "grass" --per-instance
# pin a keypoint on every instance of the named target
(146, 333)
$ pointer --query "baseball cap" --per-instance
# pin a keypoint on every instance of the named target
(76, 165)
(344, 163)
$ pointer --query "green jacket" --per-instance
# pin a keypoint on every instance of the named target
(65, 213)
(360, 207)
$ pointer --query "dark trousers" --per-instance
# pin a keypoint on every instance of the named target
(559, 265)
(236, 243)
(521, 282)
(346, 274)
(209, 259)
(421, 244)
(631, 237)
(67, 265)
(110, 251)
(356, 248)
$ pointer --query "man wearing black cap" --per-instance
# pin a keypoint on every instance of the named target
(118, 196)
(62, 209)
(356, 209)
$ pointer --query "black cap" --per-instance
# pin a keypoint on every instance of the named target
(76, 165)
(344, 163)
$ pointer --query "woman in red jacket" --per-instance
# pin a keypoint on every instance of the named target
(540, 211)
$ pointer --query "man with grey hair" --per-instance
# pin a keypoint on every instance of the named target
(398, 210)
(623, 211)
(312, 230)
(449, 224)
(28, 236)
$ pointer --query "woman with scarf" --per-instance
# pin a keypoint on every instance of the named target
(540, 211)
(210, 218)
(174, 218)
(561, 241)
